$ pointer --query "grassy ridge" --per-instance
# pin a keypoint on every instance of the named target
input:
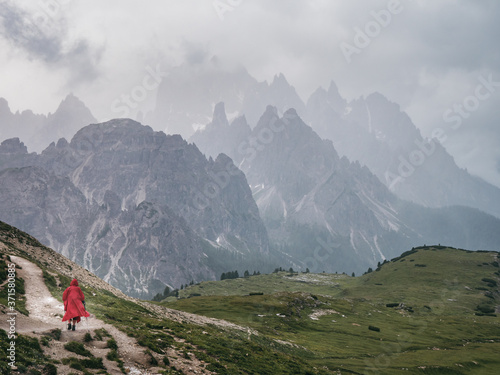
(418, 312)
(224, 351)
(426, 312)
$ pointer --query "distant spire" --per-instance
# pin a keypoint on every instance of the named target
(279, 79)
(219, 116)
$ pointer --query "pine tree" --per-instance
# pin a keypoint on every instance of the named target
(158, 297)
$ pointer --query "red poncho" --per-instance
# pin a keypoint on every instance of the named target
(73, 302)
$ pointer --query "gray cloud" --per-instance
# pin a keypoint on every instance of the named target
(43, 37)
(19, 27)
(195, 53)
(426, 59)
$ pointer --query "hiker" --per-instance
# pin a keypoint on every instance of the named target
(74, 304)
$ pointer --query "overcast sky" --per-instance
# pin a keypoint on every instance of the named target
(427, 56)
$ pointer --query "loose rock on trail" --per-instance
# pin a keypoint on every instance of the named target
(45, 315)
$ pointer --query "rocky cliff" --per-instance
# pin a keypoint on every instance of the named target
(376, 132)
(139, 208)
(329, 213)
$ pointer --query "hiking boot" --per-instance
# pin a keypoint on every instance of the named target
(73, 327)
(69, 326)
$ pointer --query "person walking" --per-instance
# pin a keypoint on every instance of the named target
(74, 305)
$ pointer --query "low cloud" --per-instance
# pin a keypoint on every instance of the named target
(44, 37)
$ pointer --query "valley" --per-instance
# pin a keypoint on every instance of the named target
(432, 310)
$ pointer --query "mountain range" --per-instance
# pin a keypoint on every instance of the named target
(326, 211)
(330, 185)
(432, 309)
(187, 96)
(376, 132)
(141, 209)
(371, 129)
(37, 130)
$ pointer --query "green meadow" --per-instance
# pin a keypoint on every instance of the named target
(431, 311)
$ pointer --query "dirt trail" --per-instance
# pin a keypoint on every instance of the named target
(45, 314)
(45, 310)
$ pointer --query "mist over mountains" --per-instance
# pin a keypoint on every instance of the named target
(187, 96)
(378, 134)
(122, 200)
(314, 201)
(265, 180)
(37, 131)
(372, 130)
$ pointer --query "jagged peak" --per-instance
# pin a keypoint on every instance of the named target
(4, 106)
(333, 91)
(268, 115)
(378, 98)
(223, 160)
(240, 119)
(219, 116)
(71, 97)
(62, 143)
(272, 110)
(333, 87)
(280, 80)
(71, 101)
(240, 122)
(290, 113)
(13, 145)
(320, 91)
(96, 132)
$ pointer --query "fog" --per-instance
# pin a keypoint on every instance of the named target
(429, 57)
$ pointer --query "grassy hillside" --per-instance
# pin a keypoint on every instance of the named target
(431, 311)
(163, 342)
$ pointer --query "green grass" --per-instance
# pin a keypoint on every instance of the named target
(221, 350)
(432, 329)
(269, 284)
(84, 364)
(3, 270)
(111, 343)
(77, 348)
(28, 353)
(18, 288)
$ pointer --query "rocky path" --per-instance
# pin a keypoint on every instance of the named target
(45, 311)
(45, 314)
